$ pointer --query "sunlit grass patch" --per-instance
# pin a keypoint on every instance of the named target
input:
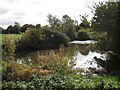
(12, 36)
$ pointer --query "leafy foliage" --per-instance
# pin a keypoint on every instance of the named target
(82, 36)
(31, 39)
(9, 48)
(85, 23)
(106, 18)
(12, 29)
(66, 82)
(54, 22)
(42, 38)
(68, 27)
(54, 39)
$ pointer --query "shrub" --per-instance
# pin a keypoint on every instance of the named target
(54, 39)
(82, 36)
(30, 40)
(14, 71)
(38, 38)
(9, 47)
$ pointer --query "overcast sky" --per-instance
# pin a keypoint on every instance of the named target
(36, 11)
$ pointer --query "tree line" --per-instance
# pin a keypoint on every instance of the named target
(66, 25)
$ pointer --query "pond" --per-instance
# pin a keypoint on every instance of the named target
(82, 52)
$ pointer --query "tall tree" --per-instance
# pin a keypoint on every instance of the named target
(68, 27)
(13, 29)
(54, 22)
(66, 19)
(85, 23)
(106, 18)
(16, 28)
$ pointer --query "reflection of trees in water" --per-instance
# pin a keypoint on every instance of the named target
(71, 52)
(27, 58)
(111, 64)
(84, 49)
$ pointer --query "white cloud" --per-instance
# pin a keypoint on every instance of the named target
(36, 11)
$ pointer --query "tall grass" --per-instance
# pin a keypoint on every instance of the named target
(57, 63)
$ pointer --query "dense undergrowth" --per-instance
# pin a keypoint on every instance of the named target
(64, 82)
(22, 77)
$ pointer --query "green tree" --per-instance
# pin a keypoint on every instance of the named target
(66, 19)
(16, 28)
(69, 27)
(54, 22)
(9, 29)
(85, 23)
(53, 39)
(105, 19)
(42, 38)
(38, 26)
(26, 27)
(13, 29)
(31, 40)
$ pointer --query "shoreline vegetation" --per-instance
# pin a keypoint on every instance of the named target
(54, 71)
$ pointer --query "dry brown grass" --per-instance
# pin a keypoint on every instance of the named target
(15, 71)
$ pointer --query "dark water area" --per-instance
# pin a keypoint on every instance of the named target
(82, 53)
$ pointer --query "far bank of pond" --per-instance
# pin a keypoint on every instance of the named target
(81, 52)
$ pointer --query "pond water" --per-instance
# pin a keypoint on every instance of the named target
(82, 53)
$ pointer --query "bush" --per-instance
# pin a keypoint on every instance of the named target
(9, 47)
(31, 40)
(82, 36)
(13, 71)
(54, 39)
(37, 38)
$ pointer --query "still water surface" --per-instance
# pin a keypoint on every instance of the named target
(83, 53)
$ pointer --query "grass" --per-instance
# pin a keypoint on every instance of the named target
(13, 36)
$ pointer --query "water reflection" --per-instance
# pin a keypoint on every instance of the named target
(86, 61)
(83, 55)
